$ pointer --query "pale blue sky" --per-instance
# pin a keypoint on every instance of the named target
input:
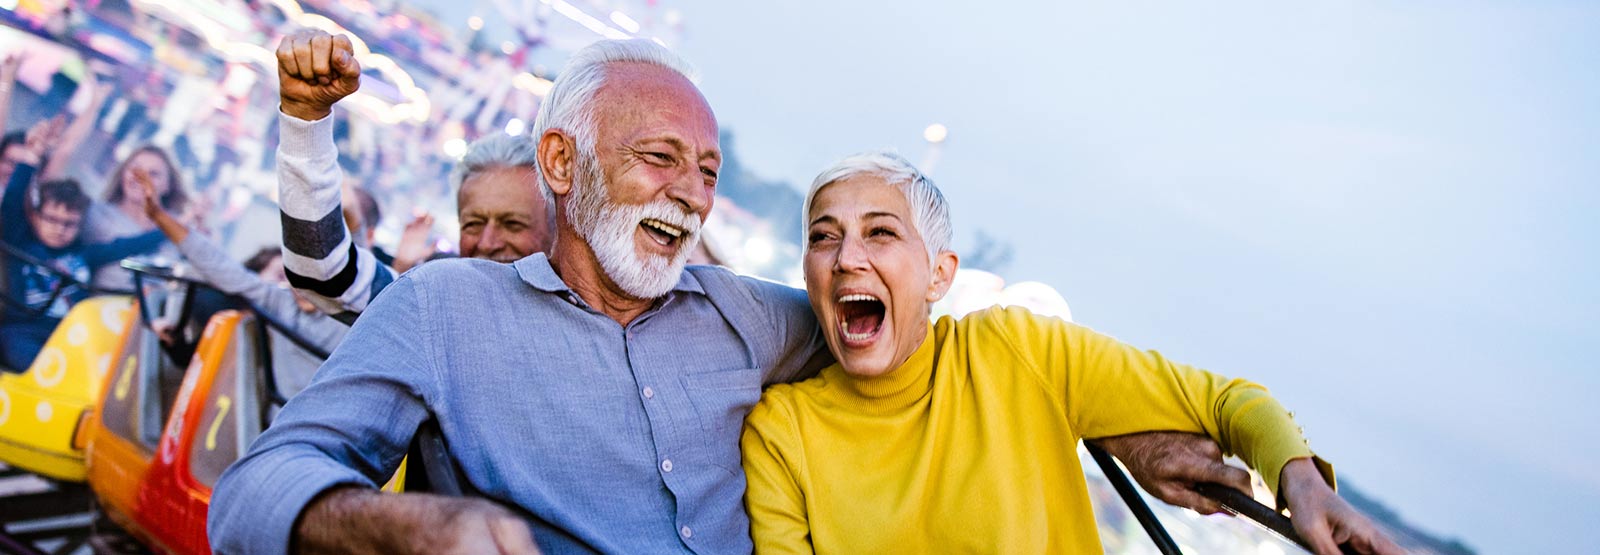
(1386, 212)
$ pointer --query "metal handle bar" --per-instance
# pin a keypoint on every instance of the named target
(1232, 500)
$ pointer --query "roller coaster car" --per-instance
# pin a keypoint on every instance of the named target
(158, 480)
(124, 430)
(221, 407)
(40, 409)
(41, 406)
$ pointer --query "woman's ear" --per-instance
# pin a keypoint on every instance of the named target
(944, 268)
(556, 151)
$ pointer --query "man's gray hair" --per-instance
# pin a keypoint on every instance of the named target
(499, 150)
(570, 107)
(930, 214)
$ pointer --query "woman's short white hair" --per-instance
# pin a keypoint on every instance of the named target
(570, 107)
(930, 214)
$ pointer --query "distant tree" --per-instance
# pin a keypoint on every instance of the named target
(773, 200)
(988, 253)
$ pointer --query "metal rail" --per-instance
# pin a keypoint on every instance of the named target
(1232, 500)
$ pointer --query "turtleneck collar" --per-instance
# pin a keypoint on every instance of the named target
(898, 389)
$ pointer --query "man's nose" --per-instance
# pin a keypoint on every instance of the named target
(689, 190)
(493, 237)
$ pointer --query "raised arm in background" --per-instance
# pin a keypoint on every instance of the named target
(320, 257)
(63, 149)
(229, 276)
(8, 81)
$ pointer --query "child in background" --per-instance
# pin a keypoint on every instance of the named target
(48, 231)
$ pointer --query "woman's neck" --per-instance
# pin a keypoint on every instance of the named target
(135, 213)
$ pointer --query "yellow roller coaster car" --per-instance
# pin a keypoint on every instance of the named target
(40, 408)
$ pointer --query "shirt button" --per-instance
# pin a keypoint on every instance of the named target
(649, 393)
(687, 533)
(666, 465)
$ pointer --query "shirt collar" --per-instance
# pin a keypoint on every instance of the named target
(536, 271)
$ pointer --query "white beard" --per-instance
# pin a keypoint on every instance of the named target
(609, 229)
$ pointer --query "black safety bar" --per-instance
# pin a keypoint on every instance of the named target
(432, 469)
(274, 395)
(1232, 500)
(66, 280)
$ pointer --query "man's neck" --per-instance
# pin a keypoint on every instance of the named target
(577, 266)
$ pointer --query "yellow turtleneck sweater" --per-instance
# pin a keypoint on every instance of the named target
(971, 445)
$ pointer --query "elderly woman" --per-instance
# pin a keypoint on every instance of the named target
(961, 435)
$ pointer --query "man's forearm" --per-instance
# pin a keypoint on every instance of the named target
(348, 520)
(352, 521)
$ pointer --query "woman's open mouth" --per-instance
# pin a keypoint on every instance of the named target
(860, 319)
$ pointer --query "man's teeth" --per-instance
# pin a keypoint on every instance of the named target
(664, 227)
(857, 298)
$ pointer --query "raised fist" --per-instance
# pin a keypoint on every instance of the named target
(315, 70)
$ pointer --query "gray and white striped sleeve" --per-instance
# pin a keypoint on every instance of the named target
(320, 259)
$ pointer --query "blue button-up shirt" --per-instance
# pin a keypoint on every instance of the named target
(616, 439)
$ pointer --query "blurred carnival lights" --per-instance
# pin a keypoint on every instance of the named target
(516, 126)
(587, 21)
(758, 251)
(455, 148)
(532, 84)
(626, 23)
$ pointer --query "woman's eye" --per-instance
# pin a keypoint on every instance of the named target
(882, 232)
(659, 157)
(817, 238)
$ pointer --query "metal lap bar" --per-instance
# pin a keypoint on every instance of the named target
(1130, 497)
(65, 279)
(1232, 500)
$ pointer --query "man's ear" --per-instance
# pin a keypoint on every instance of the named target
(944, 268)
(556, 151)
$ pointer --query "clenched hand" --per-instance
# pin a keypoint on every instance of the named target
(315, 70)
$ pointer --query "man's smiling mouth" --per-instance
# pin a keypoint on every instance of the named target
(663, 233)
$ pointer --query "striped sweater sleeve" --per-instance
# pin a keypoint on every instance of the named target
(321, 261)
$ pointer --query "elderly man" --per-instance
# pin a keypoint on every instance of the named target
(599, 389)
(502, 215)
(562, 383)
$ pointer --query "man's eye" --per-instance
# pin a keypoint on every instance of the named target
(882, 232)
(659, 157)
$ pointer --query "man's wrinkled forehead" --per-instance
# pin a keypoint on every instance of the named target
(498, 182)
(652, 96)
